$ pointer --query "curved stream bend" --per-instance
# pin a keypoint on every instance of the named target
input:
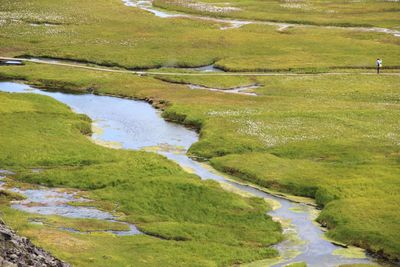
(137, 125)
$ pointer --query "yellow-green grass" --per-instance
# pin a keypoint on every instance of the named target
(104, 249)
(314, 12)
(193, 222)
(297, 264)
(83, 225)
(334, 138)
(358, 265)
(349, 87)
(109, 33)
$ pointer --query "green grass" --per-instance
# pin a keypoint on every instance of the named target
(107, 32)
(84, 225)
(358, 265)
(333, 138)
(201, 223)
(315, 12)
(297, 264)
(357, 88)
(103, 249)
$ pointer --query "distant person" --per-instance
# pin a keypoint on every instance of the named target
(378, 65)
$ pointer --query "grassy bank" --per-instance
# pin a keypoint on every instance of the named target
(108, 33)
(332, 138)
(193, 222)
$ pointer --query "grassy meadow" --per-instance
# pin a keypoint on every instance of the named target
(331, 137)
(108, 33)
(314, 12)
(297, 264)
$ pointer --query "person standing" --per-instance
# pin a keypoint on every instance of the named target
(378, 65)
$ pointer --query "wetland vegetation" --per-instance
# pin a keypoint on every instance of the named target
(331, 137)
(142, 184)
(314, 12)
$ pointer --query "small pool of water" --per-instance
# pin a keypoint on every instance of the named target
(53, 201)
(242, 90)
(208, 68)
(11, 62)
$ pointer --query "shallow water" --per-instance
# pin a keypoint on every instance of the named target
(242, 90)
(13, 62)
(137, 125)
(6, 172)
(208, 68)
(50, 201)
(148, 6)
(55, 202)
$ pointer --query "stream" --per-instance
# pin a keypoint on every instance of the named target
(137, 125)
(147, 5)
(48, 60)
(241, 90)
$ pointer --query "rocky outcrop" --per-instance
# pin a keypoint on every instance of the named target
(16, 251)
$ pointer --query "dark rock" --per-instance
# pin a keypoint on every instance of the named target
(16, 251)
(13, 257)
(5, 236)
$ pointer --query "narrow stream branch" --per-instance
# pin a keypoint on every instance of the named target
(55, 201)
(79, 65)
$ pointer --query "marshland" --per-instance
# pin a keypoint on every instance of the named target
(134, 139)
